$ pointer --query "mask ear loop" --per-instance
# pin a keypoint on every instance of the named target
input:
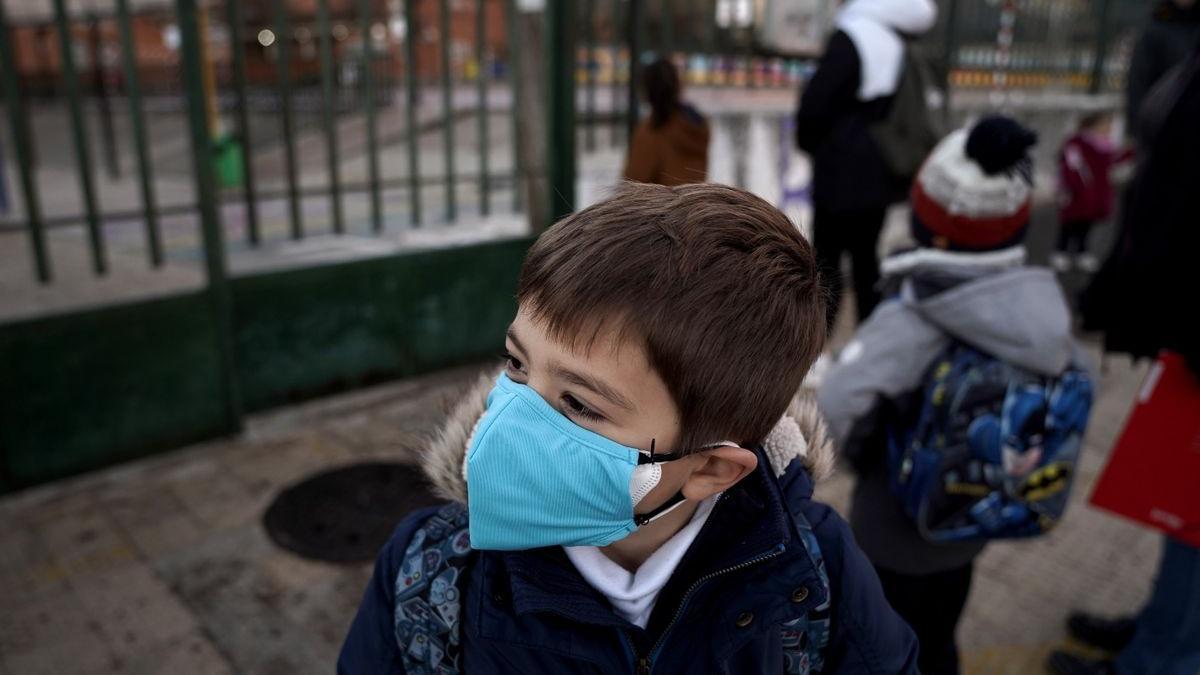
(678, 499)
(657, 457)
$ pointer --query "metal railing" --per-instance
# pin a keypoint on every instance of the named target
(377, 57)
(281, 79)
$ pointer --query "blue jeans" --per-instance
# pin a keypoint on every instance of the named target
(1167, 641)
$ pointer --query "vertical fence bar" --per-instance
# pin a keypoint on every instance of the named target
(237, 42)
(1101, 52)
(141, 146)
(18, 128)
(485, 206)
(206, 202)
(949, 57)
(410, 109)
(514, 90)
(368, 75)
(635, 67)
(560, 40)
(615, 84)
(710, 31)
(83, 155)
(447, 108)
(589, 73)
(666, 29)
(108, 132)
(283, 39)
(330, 114)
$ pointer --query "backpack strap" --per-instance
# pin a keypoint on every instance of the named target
(805, 638)
(428, 597)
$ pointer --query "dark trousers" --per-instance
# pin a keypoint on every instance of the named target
(932, 605)
(1073, 236)
(856, 233)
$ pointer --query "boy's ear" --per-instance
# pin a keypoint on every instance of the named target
(718, 470)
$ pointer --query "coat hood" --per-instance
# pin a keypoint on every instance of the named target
(800, 433)
(908, 17)
(875, 27)
(991, 302)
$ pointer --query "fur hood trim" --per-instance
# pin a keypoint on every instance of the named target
(800, 433)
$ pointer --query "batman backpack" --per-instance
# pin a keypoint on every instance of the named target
(989, 452)
(428, 600)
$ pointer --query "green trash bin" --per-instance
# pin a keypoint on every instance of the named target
(227, 154)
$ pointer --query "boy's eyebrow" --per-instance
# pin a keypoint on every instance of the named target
(512, 335)
(591, 383)
(597, 386)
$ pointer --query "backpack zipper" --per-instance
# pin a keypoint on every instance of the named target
(643, 664)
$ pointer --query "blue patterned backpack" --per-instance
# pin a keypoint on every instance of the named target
(429, 601)
(990, 451)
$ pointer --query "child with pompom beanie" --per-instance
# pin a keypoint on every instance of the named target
(965, 280)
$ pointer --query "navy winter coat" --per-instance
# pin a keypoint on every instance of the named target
(747, 573)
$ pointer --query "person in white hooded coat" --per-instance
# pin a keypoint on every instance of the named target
(853, 89)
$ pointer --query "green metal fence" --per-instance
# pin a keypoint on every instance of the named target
(234, 91)
(282, 79)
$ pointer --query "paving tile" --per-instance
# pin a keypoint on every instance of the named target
(192, 653)
(51, 635)
(134, 608)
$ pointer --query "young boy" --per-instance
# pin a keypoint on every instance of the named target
(965, 281)
(637, 484)
(1085, 189)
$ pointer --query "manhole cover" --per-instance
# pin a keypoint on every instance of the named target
(347, 514)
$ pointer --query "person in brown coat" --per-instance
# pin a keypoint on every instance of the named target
(671, 146)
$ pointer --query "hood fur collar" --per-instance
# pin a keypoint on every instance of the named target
(800, 433)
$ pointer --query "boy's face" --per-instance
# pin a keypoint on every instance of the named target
(612, 390)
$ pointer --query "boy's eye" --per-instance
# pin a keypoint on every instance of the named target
(577, 408)
(512, 363)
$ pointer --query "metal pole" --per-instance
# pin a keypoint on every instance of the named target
(666, 28)
(237, 47)
(514, 87)
(710, 30)
(616, 81)
(949, 56)
(635, 67)
(283, 39)
(1102, 38)
(141, 146)
(560, 40)
(18, 127)
(410, 109)
(447, 108)
(82, 150)
(108, 133)
(372, 149)
(589, 46)
(329, 114)
(206, 198)
(482, 83)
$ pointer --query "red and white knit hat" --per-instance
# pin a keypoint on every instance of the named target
(974, 191)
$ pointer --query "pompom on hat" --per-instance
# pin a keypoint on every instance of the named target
(975, 190)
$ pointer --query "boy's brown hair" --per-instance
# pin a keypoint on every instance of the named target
(719, 286)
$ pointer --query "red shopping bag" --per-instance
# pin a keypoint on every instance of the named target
(1153, 474)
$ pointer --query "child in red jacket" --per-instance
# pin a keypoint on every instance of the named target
(1085, 189)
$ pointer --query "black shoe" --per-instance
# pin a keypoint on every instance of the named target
(1062, 663)
(1111, 635)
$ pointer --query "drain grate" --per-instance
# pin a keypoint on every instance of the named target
(346, 514)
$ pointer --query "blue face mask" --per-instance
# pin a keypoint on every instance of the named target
(535, 478)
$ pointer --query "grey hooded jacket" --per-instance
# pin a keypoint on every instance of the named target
(1015, 313)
